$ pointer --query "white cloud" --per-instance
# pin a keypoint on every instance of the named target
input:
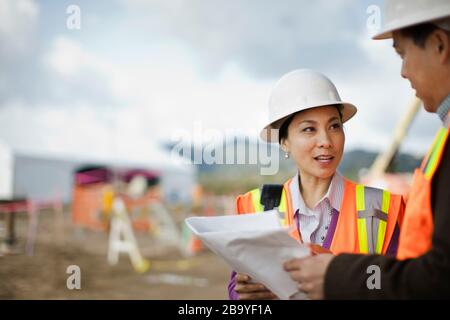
(264, 37)
(67, 56)
(18, 19)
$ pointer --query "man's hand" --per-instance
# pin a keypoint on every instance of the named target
(252, 291)
(309, 272)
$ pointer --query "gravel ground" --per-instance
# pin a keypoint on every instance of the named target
(44, 276)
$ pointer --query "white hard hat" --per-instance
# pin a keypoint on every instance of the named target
(300, 90)
(401, 14)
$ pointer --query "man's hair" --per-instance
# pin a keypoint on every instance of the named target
(419, 33)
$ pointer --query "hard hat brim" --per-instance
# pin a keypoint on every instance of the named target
(348, 111)
(387, 32)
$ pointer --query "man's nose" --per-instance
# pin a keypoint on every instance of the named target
(403, 71)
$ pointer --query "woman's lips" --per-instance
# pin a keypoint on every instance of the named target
(323, 159)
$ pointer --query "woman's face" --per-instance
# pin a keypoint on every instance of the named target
(315, 141)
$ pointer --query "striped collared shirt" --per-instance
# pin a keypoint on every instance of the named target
(443, 109)
(313, 223)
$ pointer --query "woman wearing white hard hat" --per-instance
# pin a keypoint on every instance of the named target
(328, 211)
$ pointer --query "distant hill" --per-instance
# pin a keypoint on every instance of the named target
(232, 178)
(355, 160)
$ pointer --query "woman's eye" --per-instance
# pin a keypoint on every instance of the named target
(336, 126)
(308, 129)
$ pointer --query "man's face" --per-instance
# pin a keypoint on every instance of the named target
(419, 66)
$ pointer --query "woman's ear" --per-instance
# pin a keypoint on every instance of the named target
(284, 144)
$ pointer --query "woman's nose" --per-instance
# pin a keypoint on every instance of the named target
(324, 140)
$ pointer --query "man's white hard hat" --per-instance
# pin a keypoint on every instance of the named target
(399, 14)
(300, 90)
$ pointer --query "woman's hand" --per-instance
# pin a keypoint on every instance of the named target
(248, 290)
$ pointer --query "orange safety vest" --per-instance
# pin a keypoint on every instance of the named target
(365, 224)
(417, 229)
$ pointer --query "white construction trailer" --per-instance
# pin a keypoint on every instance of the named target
(41, 177)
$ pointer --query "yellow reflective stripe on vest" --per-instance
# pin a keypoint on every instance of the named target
(362, 236)
(256, 198)
(381, 234)
(383, 224)
(283, 201)
(360, 206)
(362, 228)
(435, 153)
(283, 207)
(372, 207)
(386, 201)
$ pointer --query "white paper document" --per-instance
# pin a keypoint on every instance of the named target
(254, 244)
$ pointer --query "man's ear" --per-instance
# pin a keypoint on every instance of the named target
(441, 41)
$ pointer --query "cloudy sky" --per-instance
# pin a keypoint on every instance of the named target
(138, 73)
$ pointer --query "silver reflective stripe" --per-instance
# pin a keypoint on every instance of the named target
(373, 198)
(370, 239)
(372, 213)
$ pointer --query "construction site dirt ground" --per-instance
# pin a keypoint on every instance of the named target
(44, 275)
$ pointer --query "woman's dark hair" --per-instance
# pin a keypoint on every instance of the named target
(419, 33)
(283, 133)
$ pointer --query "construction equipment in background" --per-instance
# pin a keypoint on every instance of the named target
(10, 208)
(147, 209)
(93, 193)
(92, 187)
(161, 225)
(377, 176)
(122, 239)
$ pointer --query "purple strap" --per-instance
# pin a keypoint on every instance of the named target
(331, 229)
(233, 295)
(393, 245)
